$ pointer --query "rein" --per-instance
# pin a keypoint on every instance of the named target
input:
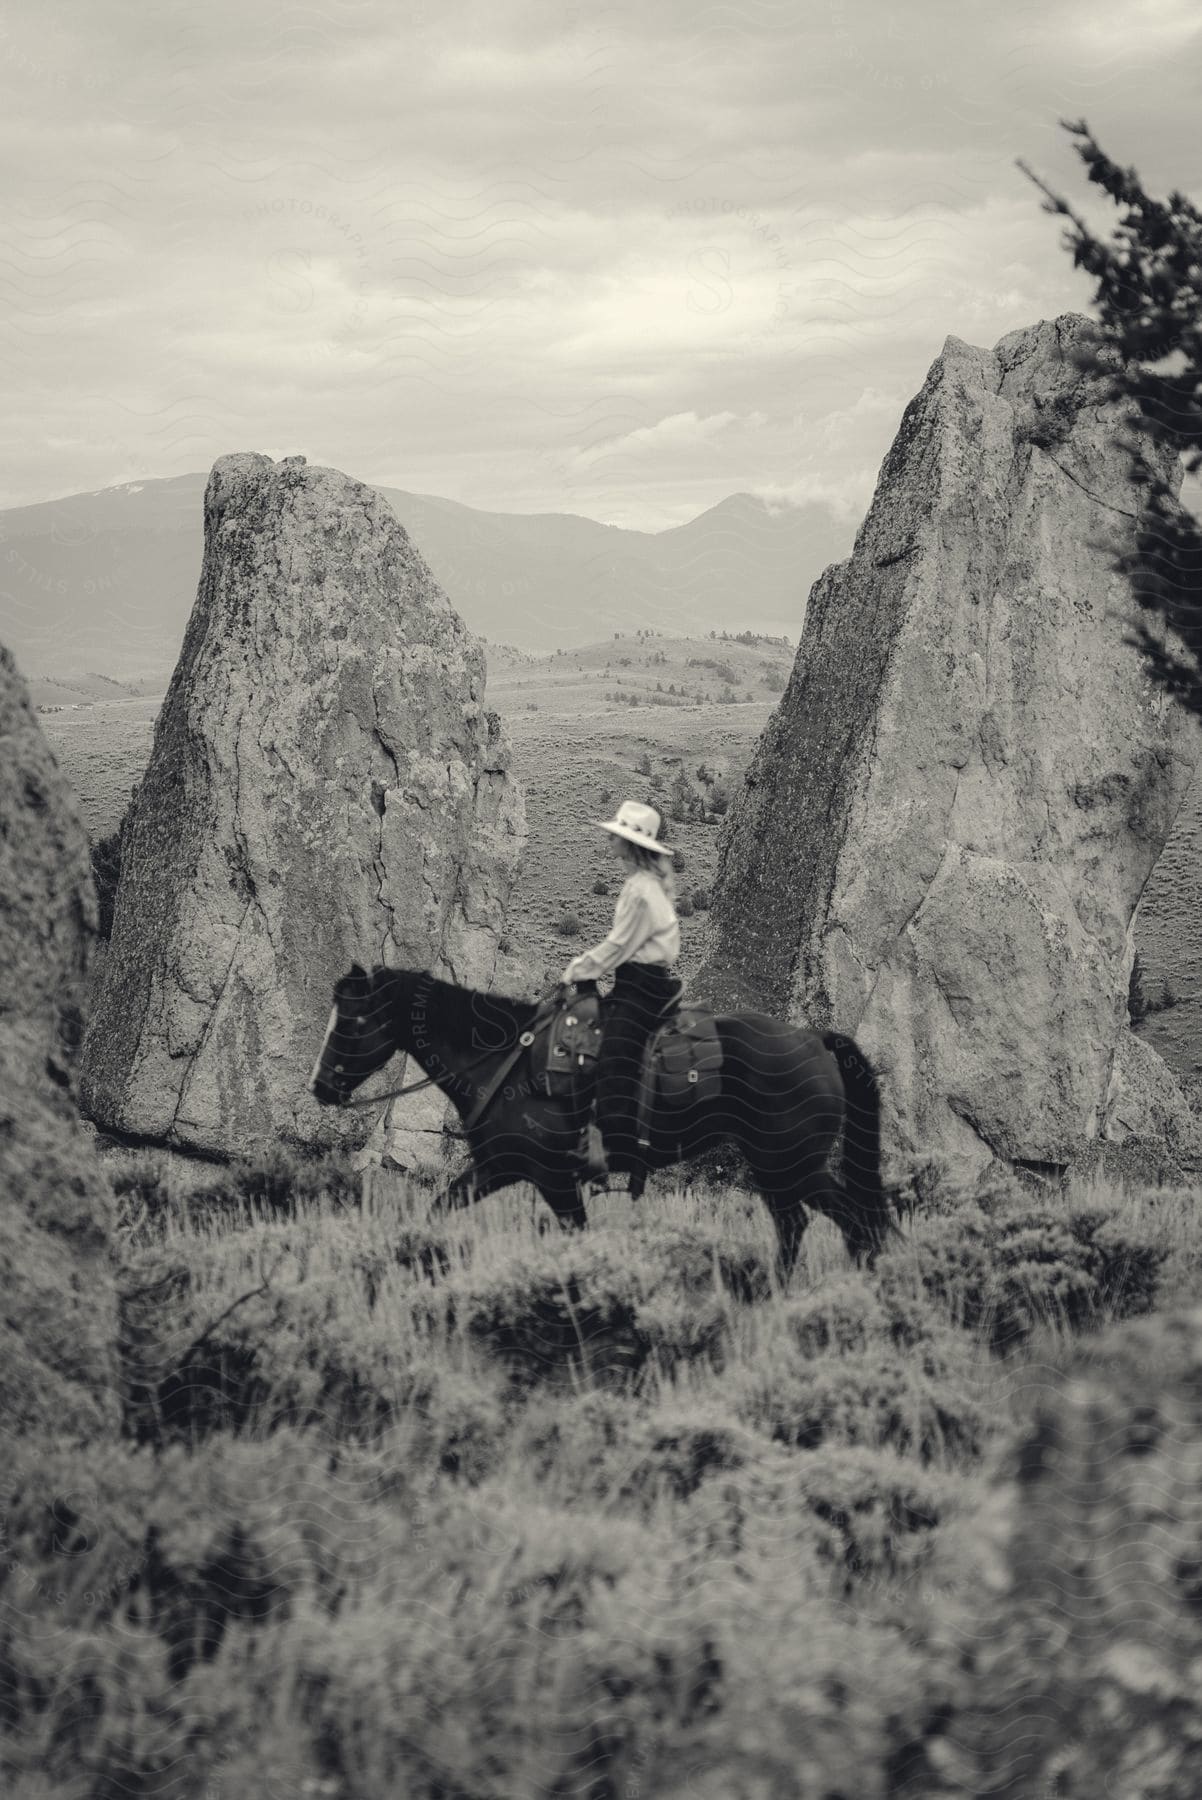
(415, 1087)
(525, 1039)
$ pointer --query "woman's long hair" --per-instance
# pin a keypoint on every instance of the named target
(660, 866)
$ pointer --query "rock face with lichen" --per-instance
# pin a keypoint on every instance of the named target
(949, 820)
(47, 895)
(58, 1325)
(325, 786)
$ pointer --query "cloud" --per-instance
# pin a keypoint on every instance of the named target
(528, 257)
(847, 499)
(680, 432)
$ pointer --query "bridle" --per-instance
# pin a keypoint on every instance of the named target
(525, 1039)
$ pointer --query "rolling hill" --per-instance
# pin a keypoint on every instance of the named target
(103, 583)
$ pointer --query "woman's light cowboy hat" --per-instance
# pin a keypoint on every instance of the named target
(638, 824)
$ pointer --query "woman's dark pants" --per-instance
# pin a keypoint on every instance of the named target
(644, 995)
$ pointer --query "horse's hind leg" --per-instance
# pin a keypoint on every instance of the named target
(827, 1195)
(785, 1192)
(790, 1218)
(812, 1192)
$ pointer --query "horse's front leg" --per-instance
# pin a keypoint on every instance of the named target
(564, 1197)
(463, 1191)
(471, 1184)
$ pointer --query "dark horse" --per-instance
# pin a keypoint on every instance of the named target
(786, 1093)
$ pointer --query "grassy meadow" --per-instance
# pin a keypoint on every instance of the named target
(467, 1509)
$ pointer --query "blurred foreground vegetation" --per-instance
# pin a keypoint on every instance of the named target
(466, 1509)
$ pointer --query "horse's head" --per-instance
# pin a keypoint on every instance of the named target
(360, 1036)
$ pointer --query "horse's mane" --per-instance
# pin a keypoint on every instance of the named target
(457, 1009)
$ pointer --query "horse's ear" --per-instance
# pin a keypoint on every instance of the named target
(358, 974)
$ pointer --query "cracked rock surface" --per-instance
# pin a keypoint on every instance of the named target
(950, 818)
(58, 1323)
(325, 786)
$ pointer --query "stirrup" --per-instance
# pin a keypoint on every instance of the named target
(589, 1155)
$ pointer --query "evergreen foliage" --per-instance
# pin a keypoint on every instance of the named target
(1148, 352)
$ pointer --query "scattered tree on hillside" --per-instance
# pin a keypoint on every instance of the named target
(684, 804)
(1149, 351)
(643, 765)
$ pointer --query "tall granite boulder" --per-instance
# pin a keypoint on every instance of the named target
(58, 1325)
(47, 895)
(949, 820)
(325, 786)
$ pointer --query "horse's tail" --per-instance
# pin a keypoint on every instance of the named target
(862, 1142)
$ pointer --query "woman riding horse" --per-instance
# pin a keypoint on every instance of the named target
(785, 1095)
(640, 949)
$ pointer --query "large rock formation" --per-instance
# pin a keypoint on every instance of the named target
(1086, 1567)
(58, 1325)
(47, 896)
(949, 820)
(325, 786)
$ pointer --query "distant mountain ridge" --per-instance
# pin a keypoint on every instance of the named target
(105, 582)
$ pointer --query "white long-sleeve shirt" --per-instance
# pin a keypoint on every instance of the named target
(645, 930)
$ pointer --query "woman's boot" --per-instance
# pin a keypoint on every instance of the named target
(588, 1157)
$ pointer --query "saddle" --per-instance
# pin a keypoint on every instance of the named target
(681, 1062)
(565, 1055)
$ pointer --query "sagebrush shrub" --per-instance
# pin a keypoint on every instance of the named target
(841, 1315)
(578, 1452)
(587, 1303)
(921, 1406)
(678, 1446)
(199, 1359)
(1028, 1263)
(155, 1191)
(877, 1513)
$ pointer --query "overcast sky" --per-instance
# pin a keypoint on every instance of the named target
(622, 259)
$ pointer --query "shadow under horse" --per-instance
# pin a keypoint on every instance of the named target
(787, 1093)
